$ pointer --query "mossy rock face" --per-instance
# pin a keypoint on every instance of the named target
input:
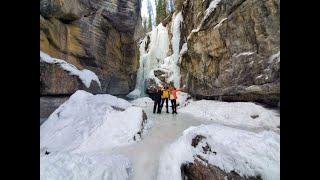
(96, 35)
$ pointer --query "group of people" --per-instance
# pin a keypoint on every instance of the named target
(161, 95)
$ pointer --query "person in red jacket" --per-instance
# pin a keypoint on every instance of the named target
(173, 99)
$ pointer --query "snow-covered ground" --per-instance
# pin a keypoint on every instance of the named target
(67, 166)
(247, 153)
(238, 114)
(143, 102)
(85, 75)
(91, 137)
(144, 155)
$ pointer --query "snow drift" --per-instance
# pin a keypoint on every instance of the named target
(89, 122)
(74, 137)
(240, 114)
(247, 153)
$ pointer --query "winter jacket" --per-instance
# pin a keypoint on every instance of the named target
(165, 93)
(174, 93)
(152, 95)
(157, 95)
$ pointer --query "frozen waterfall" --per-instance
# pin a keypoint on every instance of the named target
(154, 55)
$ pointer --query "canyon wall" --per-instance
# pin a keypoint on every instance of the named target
(98, 35)
(233, 49)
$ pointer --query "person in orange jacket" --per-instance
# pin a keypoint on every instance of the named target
(173, 98)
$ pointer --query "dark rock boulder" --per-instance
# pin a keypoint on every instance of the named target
(200, 170)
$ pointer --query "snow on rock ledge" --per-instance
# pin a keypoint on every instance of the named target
(85, 75)
(87, 122)
(230, 149)
(240, 114)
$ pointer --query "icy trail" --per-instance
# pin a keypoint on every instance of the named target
(144, 155)
(166, 128)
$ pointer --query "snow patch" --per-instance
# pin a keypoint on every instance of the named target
(274, 57)
(254, 88)
(220, 23)
(85, 75)
(260, 76)
(244, 54)
(211, 8)
(248, 153)
(207, 13)
(184, 49)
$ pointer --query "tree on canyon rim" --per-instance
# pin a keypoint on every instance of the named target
(178, 4)
(161, 11)
(149, 23)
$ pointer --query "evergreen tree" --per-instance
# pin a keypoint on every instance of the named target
(178, 4)
(165, 8)
(151, 15)
(149, 23)
(158, 8)
(161, 11)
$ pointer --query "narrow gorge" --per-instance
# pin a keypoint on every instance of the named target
(99, 57)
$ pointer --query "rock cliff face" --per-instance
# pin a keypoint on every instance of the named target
(234, 51)
(98, 35)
